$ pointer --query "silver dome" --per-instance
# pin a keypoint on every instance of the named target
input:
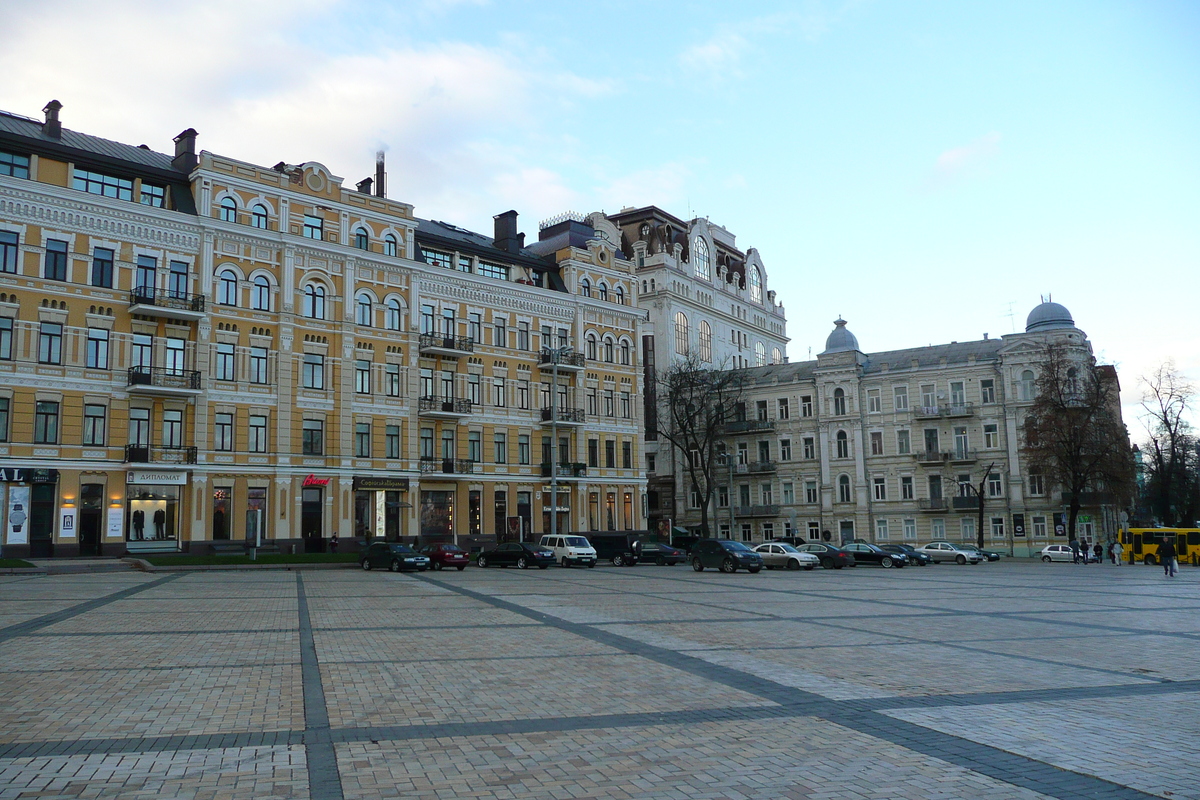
(841, 340)
(1048, 316)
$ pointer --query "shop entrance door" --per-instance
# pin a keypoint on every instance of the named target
(91, 509)
(311, 517)
(41, 520)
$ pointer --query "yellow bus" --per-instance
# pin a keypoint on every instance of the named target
(1141, 544)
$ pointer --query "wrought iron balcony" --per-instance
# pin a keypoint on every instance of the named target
(567, 361)
(931, 457)
(749, 425)
(563, 416)
(444, 407)
(571, 470)
(145, 454)
(756, 511)
(761, 466)
(153, 302)
(164, 381)
(932, 504)
(965, 503)
(958, 410)
(964, 456)
(927, 412)
(447, 466)
(445, 345)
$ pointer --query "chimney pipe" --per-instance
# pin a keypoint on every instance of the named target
(185, 159)
(52, 127)
(364, 186)
(507, 237)
(380, 176)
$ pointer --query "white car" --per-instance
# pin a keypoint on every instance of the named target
(570, 549)
(1057, 552)
(944, 551)
(779, 554)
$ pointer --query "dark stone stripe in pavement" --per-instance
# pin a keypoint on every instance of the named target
(31, 625)
(324, 780)
(150, 744)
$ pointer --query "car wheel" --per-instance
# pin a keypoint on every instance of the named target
(565, 563)
(481, 561)
(839, 566)
(793, 563)
(540, 566)
(522, 563)
(754, 570)
(394, 566)
(618, 561)
(809, 567)
(885, 562)
(826, 563)
(660, 561)
(697, 565)
(591, 565)
(437, 566)
(366, 564)
(960, 560)
(728, 566)
(1149, 560)
(461, 567)
(1047, 559)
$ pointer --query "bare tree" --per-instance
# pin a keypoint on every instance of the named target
(1172, 480)
(696, 403)
(1074, 435)
(981, 498)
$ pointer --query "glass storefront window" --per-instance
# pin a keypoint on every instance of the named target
(152, 512)
(221, 519)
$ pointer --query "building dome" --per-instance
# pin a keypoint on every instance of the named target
(1048, 316)
(841, 340)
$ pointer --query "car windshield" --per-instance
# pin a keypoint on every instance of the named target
(577, 541)
(451, 548)
(729, 545)
(403, 548)
(787, 548)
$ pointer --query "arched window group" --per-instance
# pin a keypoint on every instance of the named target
(776, 356)
(602, 290)
(227, 285)
(314, 301)
(591, 346)
(259, 216)
(608, 349)
(585, 287)
(261, 296)
(361, 240)
(362, 309)
(755, 285)
(681, 333)
(839, 402)
(390, 246)
(392, 315)
(705, 331)
(228, 210)
(843, 444)
(700, 260)
(844, 488)
(760, 354)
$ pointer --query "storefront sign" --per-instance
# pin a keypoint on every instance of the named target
(66, 527)
(16, 526)
(1018, 524)
(24, 475)
(368, 483)
(313, 480)
(145, 476)
(116, 524)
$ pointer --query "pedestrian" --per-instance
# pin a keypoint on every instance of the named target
(1166, 551)
(1117, 551)
(333, 543)
(1074, 551)
(1098, 549)
(1085, 550)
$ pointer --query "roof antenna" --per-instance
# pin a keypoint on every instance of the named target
(1011, 321)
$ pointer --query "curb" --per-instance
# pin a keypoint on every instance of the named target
(143, 565)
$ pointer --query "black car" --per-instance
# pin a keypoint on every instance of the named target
(662, 554)
(724, 554)
(992, 555)
(915, 556)
(866, 553)
(832, 556)
(519, 554)
(396, 557)
(623, 549)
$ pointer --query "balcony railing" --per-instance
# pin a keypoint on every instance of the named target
(958, 410)
(756, 511)
(963, 456)
(442, 343)
(761, 466)
(565, 416)
(931, 457)
(566, 360)
(749, 425)
(165, 299)
(932, 504)
(447, 466)
(965, 503)
(572, 470)
(926, 412)
(145, 454)
(453, 406)
(186, 380)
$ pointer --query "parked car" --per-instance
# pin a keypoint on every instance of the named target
(622, 549)
(944, 551)
(661, 554)
(915, 556)
(446, 555)
(865, 553)
(1057, 552)
(984, 555)
(393, 555)
(570, 549)
(521, 555)
(777, 555)
(724, 554)
(830, 555)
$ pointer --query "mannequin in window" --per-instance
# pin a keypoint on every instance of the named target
(139, 524)
(160, 524)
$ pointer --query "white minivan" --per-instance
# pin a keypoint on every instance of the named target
(570, 549)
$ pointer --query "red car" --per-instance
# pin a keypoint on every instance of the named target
(442, 556)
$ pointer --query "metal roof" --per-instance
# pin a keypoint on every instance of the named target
(27, 128)
(897, 361)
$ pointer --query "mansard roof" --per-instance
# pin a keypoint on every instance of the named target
(896, 361)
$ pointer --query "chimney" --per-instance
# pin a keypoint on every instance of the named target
(185, 151)
(380, 176)
(52, 127)
(364, 186)
(507, 238)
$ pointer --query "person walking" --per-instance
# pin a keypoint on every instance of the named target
(1074, 551)
(1117, 551)
(1098, 549)
(1166, 551)
(333, 543)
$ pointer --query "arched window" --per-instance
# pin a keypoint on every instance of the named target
(619, 295)
(644, 285)
(1025, 387)
(585, 287)
(844, 488)
(1072, 382)
(608, 349)
(392, 317)
(602, 290)
(760, 354)
(700, 260)
(390, 246)
(361, 240)
(755, 286)
(705, 333)
(776, 356)
(314, 301)
(227, 288)
(625, 352)
(681, 333)
(259, 216)
(228, 210)
(261, 299)
(362, 309)
(843, 445)
(652, 284)
(591, 346)
(839, 402)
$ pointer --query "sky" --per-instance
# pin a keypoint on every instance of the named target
(927, 170)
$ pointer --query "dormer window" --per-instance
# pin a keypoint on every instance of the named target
(361, 240)
(228, 210)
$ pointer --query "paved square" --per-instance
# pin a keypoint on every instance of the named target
(1003, 680)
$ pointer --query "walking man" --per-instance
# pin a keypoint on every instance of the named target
(1117, 550)
(1098, 549)
(1074, 551)
(1166, 551)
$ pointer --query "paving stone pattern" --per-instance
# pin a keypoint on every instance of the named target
(1003, 680)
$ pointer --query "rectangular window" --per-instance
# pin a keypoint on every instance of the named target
(14, 165)
(258, 365)
(313, 441)
(500, 448)
(910, 529)
(493, 271)
(723, 496)
(10, 247)
(45, 423)
(879, 484)
(987, 391)
(929, 397)
(592, 406)
(314, 227)
(139, 427)
(258, 433)
(224, 370)
(498, 392)
(626, 406)
(810, 448)
(473, 389)
(523, 448)
(806, 405)
(4, 406)
(997, 527)
(172, 435)
(56, 260)
(766, 493)
(50, 343)
(426, 442)
(610, 454)
(876, 443)
(141, 350)
(152, 195)
(475, 327)
(522, 335)
(789, 493)
(522, 394)
(906, 488)
(391, 380)
(881, 530)
(464, 265)
(391, 441)
(783, 410)
(174, 355)
(1037, 485)
(102, 267)
(967, 526)
(1039, 527)
(810, 492)
(903, 442)
(97, 349)
(6, 338)
(474, 446)
(499, 333)
(608, 402)
(146, 274)
(626, 455)
(593, 452)
(313, 376)
(900, 397)
(362, 376)
(958, 394)
(362, 440)
(101, 184)
(223, 432)
(437, 258)
(874, 402)
(94, 424)
(785, 449)
(995, 486)
(991, 435)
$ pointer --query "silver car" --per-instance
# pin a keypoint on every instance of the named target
(779, 555)
(944, 551)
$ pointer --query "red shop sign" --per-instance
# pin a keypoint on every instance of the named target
(313, 480)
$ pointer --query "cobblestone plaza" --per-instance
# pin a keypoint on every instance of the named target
(1006, 680)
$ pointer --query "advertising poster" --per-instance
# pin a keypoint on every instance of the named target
(1018, 524)
(66, 527)
(116, 524)
(17, 522)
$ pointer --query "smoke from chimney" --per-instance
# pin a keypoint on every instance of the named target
(380, 175)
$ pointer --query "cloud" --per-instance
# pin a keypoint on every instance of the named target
(720, 57)
(966, 161)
